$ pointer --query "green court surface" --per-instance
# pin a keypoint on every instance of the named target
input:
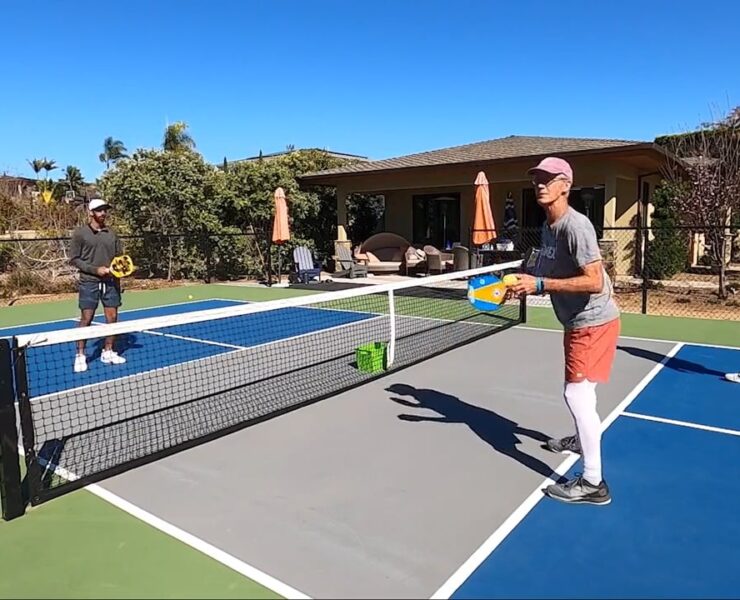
(79, 546)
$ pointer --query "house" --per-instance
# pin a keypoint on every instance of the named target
(430, 196)
(13, 186)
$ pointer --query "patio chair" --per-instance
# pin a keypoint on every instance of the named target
(306, 268)
(460, 258)
(348, 265)
(436, 260)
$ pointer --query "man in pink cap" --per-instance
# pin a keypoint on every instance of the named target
(568, 266)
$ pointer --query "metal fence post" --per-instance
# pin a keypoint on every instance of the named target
(645, 269)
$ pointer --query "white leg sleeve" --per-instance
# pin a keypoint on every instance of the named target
(581, 400)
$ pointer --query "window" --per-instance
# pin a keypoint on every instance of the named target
(586, 200)
(436, 220)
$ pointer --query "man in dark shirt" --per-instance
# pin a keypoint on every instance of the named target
(92, 248)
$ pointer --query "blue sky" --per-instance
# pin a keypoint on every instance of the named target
(378, 78)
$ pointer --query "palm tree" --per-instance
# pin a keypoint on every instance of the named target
(177, 139)
(49, 165)
(113, 150)
(73, 179)
(37, 164)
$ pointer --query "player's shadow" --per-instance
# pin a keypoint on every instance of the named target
(676, 363)
(500, 433)
(122, 344)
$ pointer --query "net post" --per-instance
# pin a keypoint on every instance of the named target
(11, 494)
(33, 473)
(523, 309)
(392, 341)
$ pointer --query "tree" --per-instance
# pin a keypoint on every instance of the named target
(172, 202)
(113, 151)
(73, 180)
(704, 173)
(37, 164)
(312, 209)
(177, 138)
(43, 164)
(668, 251)
(49, 165)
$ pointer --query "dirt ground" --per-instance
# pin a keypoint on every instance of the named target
(696, 303)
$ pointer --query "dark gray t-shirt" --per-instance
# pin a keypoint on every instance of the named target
(90, 249)
(567, 246)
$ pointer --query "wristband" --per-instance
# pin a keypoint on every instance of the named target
(540, 285)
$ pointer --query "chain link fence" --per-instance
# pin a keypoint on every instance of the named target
(686, 271)
(32, 266)
(671, 271)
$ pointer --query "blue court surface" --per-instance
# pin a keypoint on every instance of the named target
(672, 530)
(50, 367)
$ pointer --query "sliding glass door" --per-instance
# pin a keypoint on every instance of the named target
(436, 220)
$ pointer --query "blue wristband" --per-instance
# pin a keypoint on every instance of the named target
(540, 285)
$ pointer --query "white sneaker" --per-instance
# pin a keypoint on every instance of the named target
(734, 377)
(80, 363)
(110, 357)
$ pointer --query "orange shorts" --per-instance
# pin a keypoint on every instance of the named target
(589, 352)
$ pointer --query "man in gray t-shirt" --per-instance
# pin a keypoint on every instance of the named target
(568, 245)
(93, 247)
(568, 266)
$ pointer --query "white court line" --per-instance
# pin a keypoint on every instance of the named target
(129, 310)
(682, 423)
(469, 566)
(198, 340)
(183, 536)
(188, 339)
(644, 339)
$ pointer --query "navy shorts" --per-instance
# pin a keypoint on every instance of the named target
(93, 292)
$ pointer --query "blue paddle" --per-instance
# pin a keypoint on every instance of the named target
(487, 292)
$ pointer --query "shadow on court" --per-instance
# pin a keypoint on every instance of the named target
(676, 363)
(495, 430)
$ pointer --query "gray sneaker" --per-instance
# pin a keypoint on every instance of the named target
(579, 491)
(566, 444)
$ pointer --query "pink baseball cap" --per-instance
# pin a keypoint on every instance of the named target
(554, 166)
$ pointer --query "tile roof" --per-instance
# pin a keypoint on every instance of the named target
(502, 148)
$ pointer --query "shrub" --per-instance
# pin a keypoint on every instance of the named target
(668, 251)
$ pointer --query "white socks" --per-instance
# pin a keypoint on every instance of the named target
(581, 400)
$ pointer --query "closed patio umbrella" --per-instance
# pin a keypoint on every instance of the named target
(484, 229)
(280, 227)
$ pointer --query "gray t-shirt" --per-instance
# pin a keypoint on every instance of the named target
(567, 246)
(90, 249)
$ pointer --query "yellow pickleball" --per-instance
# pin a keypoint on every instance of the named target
(510, 280)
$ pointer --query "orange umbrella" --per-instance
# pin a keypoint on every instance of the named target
(280, 228)
(484, 229)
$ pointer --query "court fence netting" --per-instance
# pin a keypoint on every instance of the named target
(190, 377)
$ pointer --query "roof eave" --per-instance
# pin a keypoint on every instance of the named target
(318, 176)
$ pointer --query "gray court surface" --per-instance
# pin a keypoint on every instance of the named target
(384, 490)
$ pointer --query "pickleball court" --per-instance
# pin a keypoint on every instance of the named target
(425, 482)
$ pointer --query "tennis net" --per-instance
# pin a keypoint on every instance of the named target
(191, 376)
